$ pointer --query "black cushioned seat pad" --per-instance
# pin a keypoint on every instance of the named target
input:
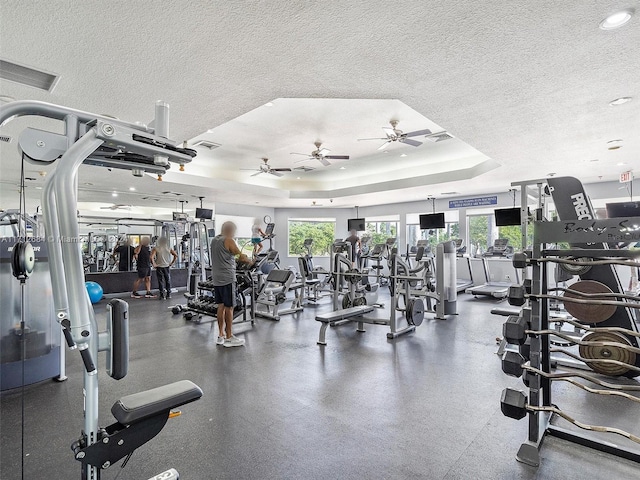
(136, 407)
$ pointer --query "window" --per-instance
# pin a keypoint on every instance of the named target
(243, 234)
(321, 230)
(514, 234)
(480, 233)
(380, 230)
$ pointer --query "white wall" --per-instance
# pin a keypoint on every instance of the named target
(599, 191)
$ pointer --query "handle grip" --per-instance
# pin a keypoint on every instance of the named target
(88, 361)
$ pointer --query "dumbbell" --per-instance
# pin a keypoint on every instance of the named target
(512, 363)
(513, 403)
(514, 329)
(518, 293)
(176, 309)
(522, 259)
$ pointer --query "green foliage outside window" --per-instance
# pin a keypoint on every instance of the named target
(380, 231)
(322, 233)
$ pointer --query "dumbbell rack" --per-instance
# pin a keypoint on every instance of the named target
(587, 233)
(205, 287)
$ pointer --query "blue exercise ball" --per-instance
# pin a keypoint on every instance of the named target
(95, 291)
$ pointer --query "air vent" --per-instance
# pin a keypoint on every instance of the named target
(27, 76)
(439, 137)
(169, 192)
(206, 144)
(5, 138)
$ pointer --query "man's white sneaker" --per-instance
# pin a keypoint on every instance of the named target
(220, 340)
(233, 342)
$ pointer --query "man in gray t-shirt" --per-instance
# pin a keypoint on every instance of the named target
(224, 251)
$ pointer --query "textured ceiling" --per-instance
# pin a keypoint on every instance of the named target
(525, 83)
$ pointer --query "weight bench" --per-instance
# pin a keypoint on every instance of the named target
(339, 315)
(140, 417)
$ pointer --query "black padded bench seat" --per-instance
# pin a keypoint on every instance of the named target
(136, 407)
(506, 311)
(328, 318)
(343, 314)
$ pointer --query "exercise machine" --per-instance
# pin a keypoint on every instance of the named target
(107, 142)
(273, 293)
(403, 318)
(314, 278)
(499, 249)
(500, 276)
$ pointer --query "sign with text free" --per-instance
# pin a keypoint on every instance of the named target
(625, 177)
(473, 202)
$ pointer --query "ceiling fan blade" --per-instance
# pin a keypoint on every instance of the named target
(337, 157)
(280, 169)
(277, 174)
(408, 141)
(389, 132)
(324, 151)
(324, 161)
(296, 153)
(418, 133)
(362, 139)
(384, 145)
(304, 160)
(257, 173)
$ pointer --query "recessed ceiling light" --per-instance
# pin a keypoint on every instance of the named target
(268, 104)
(620, 101)
(38, 188)
(616, 20)
(386, 151)
(132, 189)
(552, 174)
(621, 163)
(114, 194)
(343, 168)
(594, 160)
(297, 178)
(403, 155)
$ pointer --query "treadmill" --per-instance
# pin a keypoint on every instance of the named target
(464, 275)
(500, 276)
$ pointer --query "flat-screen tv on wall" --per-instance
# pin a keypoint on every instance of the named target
(204, 213)
(623, 209)
(432, 220)
(507, 216)
(356, 224)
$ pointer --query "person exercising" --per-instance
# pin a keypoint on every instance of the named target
(356, 246)
(125, 253)
(224, 252)
(142, 254)
(256, 237)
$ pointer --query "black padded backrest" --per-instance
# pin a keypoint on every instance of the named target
(303, 265)
(118, 355)
(279, 276)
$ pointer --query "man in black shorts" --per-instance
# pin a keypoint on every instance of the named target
(142, 254)
(224, 252)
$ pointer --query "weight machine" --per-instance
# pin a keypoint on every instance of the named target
(102, 141)
(605, 332)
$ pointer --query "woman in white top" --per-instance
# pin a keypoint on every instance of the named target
(256, 237)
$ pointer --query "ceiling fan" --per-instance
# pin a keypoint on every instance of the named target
(116, 207)
(320, 154)
(266, 168)
(395, 135)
